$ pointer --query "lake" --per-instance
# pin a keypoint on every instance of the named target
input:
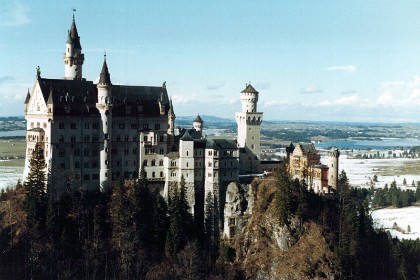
(12, 133)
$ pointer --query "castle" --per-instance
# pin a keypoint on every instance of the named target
(95, 133)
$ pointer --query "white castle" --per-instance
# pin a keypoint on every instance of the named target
(95, 133)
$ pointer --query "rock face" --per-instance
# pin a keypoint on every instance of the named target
(238, 208)
(265, 250)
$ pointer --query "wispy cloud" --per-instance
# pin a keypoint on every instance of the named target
(343, 68)
(262, 86)
(311, 90)
(216, 86)
(5, 79)
(348, 91)
(17, 15)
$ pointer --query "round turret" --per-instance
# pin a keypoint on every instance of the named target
(333, 156)
(104, 105)
(249, 98)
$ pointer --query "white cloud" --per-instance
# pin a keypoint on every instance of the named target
(275, 103)
(343, 68)
(17, 15)
(343, 101)
(400, 94)
(311, 89)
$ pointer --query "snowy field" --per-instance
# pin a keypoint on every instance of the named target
(361, 171)
(404, 217)
(10, 175)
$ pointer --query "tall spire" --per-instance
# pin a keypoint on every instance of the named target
(73, 57)
(73, 37)
(105, 77)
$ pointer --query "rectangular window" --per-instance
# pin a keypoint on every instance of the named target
(87, 138)
(61, 125)
(157, 126)
(86, 164)
(73, 126)
(95, 138)
(121, 125)
(95, 125)
(145, 126)
(86, 177)
(87, 125)
(61, 153)
(95, 176)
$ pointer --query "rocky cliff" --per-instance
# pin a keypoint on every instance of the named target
(265, 250)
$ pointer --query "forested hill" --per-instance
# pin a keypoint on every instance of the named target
(132, 233)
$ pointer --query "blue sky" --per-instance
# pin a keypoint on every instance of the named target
(310, 60)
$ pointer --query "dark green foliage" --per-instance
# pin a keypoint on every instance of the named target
(283, 195)
(394, 196)
(36, 197)
(211, 232)
(180, 221)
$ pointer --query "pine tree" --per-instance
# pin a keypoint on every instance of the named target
(180, 221)
(283, 195)
(36, 197)
(210, 229)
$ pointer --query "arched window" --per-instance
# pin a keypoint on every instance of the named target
(76, 164)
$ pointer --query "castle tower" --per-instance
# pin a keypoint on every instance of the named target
(198, 124)
(186, 167)
(104, 106)
(73, 57)
(333, 156)
(249, 121)
(171, 119)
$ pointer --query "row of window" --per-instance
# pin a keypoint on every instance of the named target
(95, 125)
(38, 125)
(153, 162)
(153, 139)
(62, 125)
